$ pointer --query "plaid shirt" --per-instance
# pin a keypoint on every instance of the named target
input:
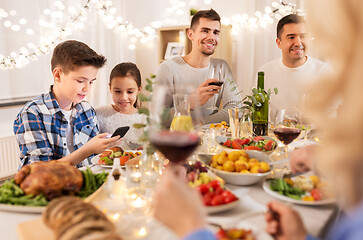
(40, 129)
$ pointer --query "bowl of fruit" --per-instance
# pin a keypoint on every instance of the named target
(240, 167)
(260, 143)
(216, 197)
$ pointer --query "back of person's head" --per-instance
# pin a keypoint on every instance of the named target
(126, 69)
(338, 37)
(291, 18)
(209, 14)
(72, 54)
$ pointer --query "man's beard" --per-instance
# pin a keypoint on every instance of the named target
(208, 53)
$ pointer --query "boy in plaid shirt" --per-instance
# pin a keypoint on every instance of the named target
(60, 125)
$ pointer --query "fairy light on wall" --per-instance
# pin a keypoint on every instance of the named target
(64, 20)
(260, 19)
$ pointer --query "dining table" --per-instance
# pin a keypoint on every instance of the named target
(249, 214)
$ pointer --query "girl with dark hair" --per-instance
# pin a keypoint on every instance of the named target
(125, 85)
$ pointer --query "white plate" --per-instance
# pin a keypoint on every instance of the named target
(95, 159)
(258, 233)
(20, 208)
(266, 187)
(223, 207)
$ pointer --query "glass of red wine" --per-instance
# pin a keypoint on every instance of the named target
(219, 75)
(175, 144)
(287, 127)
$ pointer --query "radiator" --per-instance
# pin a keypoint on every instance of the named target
(9, 157)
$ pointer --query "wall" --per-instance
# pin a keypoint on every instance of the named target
(250, 48)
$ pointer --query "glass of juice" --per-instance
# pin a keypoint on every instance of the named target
(178, 141)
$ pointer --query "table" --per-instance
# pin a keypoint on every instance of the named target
(253, 201)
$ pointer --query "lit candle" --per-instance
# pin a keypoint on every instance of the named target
(135, 176)
(139, 202)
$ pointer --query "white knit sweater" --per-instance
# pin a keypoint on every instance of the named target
(109, 120)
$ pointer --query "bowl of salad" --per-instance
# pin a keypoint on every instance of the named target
(263, 144)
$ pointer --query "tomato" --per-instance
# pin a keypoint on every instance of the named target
(228, 143)
(228, 196)
(269, 145)
(219, 190)
(213, 184)
(258, 138)
(246, 141)
(124, 159)
(207, 199)
(316, 194)
(221, 234)
(203, 189)
(236, 145)
(252, 148)
(217, 200)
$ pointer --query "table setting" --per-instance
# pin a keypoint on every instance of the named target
(234, 182)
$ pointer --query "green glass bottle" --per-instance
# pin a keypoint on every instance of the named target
(260, 113)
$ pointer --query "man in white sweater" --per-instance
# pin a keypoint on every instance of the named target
(194, 70)
(295, 69)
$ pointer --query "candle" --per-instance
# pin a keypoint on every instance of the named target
(139, 202)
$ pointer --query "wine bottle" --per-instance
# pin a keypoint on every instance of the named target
(260, 113)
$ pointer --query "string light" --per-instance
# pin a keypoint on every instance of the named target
(62, 26)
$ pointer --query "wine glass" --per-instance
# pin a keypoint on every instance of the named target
(219, 75)
(287, 127)
(180, 141)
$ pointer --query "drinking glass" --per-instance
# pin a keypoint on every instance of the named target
(287, 127)
(179, 142)
(246, 129)
(219, 75)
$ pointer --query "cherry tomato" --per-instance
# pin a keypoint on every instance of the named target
(252, 148)
(219, 190)
(230, 198)
(236, 145)
(203, 189)
(228, 143)
(316, 194)
(258, 138)
(269, 145)
(217, 200)
(213, 184)
(207, 199)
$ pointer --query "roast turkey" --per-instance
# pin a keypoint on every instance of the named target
(53, 179)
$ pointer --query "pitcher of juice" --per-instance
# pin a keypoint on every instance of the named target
(182, 120)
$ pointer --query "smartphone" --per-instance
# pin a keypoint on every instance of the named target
(121, 131)
(218, 83)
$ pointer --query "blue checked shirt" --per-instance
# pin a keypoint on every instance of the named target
(40, 129)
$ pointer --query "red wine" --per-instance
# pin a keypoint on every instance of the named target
(287, 135)
(176, 146)
(218, 83)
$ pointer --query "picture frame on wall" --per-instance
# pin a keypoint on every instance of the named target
(174, 49)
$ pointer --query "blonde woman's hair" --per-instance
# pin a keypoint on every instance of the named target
(337, 26)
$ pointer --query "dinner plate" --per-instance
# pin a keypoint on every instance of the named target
(95, 159)
(20, 208)
(259, 233)
(266, 187)
(223, 207)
